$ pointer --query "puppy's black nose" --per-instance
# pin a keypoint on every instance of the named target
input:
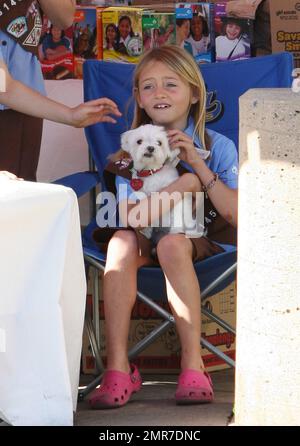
(150, 149)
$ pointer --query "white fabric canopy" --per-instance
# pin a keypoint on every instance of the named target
(42, 302)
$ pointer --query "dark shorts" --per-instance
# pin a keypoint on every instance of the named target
(20, 142)
(202, 246)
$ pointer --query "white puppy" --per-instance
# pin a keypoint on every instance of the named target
(153, 169)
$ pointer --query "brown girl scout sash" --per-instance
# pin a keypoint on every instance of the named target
(218, 229)
(22, 21)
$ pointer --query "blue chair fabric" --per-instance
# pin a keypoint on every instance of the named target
(225, 83)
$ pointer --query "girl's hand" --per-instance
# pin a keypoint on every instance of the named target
(93, 112)
(179, 140)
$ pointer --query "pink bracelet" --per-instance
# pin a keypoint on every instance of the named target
(211, 183)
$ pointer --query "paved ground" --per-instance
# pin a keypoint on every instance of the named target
(154, 405)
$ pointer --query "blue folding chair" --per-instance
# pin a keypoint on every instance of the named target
(225, 82)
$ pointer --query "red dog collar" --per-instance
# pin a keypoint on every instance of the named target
(137, 183)
(147, 173)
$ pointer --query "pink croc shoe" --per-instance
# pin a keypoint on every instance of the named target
(194, 387)
(116, 389)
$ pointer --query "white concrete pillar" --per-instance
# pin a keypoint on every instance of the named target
(268, 285)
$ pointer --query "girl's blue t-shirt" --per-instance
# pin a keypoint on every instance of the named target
(223, 160)
(22, 65)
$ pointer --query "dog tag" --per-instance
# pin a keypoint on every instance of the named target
(136, 183)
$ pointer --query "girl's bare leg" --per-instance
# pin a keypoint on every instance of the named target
(119, 291)
(174, 252)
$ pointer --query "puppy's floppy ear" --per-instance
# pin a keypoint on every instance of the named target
(173, 159)
(125, 141)
(174, 154)
(165, 141)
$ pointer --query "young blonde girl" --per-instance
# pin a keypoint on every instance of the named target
(169, 91)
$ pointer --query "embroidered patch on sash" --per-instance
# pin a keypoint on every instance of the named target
(37, 19)
(34, 37)
(17, 27)
(123, 163)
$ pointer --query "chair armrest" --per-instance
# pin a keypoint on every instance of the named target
(80, 182)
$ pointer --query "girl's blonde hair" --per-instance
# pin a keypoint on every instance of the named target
(183, 64)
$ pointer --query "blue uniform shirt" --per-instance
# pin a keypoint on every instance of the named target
(22, 65)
